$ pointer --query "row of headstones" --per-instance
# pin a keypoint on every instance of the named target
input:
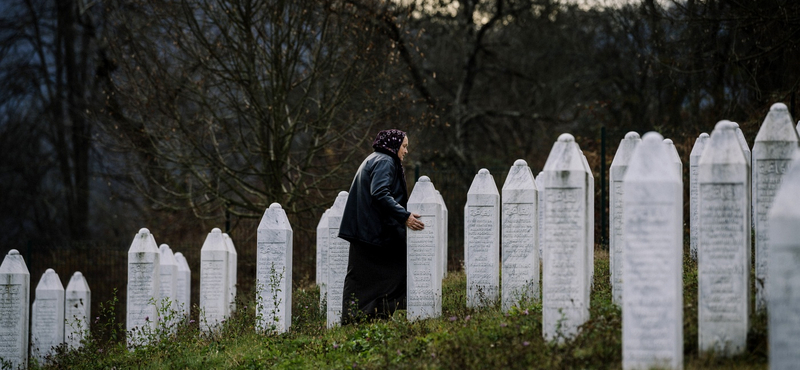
(646, 241)
(58, 316)
(159, 286)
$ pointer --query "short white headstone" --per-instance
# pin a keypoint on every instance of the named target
(183, 285)
(540, 222)
(723, 258)
(675, 158)
(214, 298)
(652, 306)
(232, 262)
(482, 240)
(443, 234)
(77, 310)
(144, 283)
(47, 316)
(520, 236)
(15, 288)
(773, 149)
(424, 283)
(616, 174)
(565, 267)
(694, 193)
(169, 287)
(338, 255)
(783, 298)
(322, 258)
(274, 271)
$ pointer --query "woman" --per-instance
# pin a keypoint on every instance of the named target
(374, 222)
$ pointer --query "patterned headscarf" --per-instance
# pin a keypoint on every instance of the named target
(389, 142)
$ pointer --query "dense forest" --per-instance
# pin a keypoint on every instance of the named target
(183, 115)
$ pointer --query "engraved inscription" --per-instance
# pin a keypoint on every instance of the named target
(10, 320)
(422, 288)
(140, 291)
(563, 235)
(481, 266)
(213, 284)
(519, 251)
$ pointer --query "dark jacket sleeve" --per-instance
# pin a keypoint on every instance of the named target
(383, 177)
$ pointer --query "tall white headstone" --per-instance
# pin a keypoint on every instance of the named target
(15, 288)
(322, 258)
(694, 193)
(443, 234)
(274, 271)
(214, 298)
(144, 284)
(520, 236)
(47, 316)
(565, 267)
(783, 298)
(338, 255)
(616, 175)
(77, 310)
(773, 149)
(232, 262)
(424, 283)
(723, 258)
(675, 158)
(652, 306)
(183, 285)
(482, 240)
(169, 280)
(540, 223)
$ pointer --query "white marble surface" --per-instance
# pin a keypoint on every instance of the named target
(47, 316)
(322, 258)
(274, 271)
(183, 284)
(233, 258)
(338, 254)
(168, 290)
(144, 284)
(482, 241)
(694, 192)
(213, 281)
(616, 240)
(15, 288)
(520, 241)
(77, 310)
(652, 306)
(424, 283)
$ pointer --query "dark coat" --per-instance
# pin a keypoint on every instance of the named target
(375, 212)
(374, 224)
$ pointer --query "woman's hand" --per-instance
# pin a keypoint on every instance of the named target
(414, 223)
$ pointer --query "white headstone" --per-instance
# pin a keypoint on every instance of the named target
(694, 193)
(616, 174)
(482, 240)
(589, 230)
(773, 149)
(214, 298)
(274, 271)
(338, 255)
(322, 258)
(47, 316)
(15, 288)
(798, 128)
(77, 310)
(169, 281)
(675, 158)
(232, 262)
(443, 234)
(565, 267)
(424, 283)
(723, 258)
(783, 298)
(652, 306)
(743, 143)
(520, 247)
(540, 222)
(144, 283)
(183, 285)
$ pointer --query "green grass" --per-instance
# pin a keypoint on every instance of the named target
(462, 338)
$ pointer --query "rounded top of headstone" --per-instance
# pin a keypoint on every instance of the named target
(77, 274)
(668, 142)
(652, 136)
(520, 162)
(274, 206)
(483, 171)
(632, 135)
(163, 246)
(13, 252)
(424, 179)
(342, 193)
(216, 230)
(704, 135)
(725, 125)
(178, 254)
(49, 271)
(778, 107)
(566, 138)
(144, 231)
(735, 124)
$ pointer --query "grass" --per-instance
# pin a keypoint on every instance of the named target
(462, 338)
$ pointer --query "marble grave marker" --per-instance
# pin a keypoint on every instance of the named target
(520, 241)
(482, 241)
(424, 282)
(274, 271)
(616, 175)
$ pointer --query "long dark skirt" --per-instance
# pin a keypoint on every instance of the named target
(375, 284)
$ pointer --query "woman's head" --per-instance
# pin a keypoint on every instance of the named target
(393, 141)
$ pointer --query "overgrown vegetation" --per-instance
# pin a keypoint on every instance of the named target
(462, 338)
